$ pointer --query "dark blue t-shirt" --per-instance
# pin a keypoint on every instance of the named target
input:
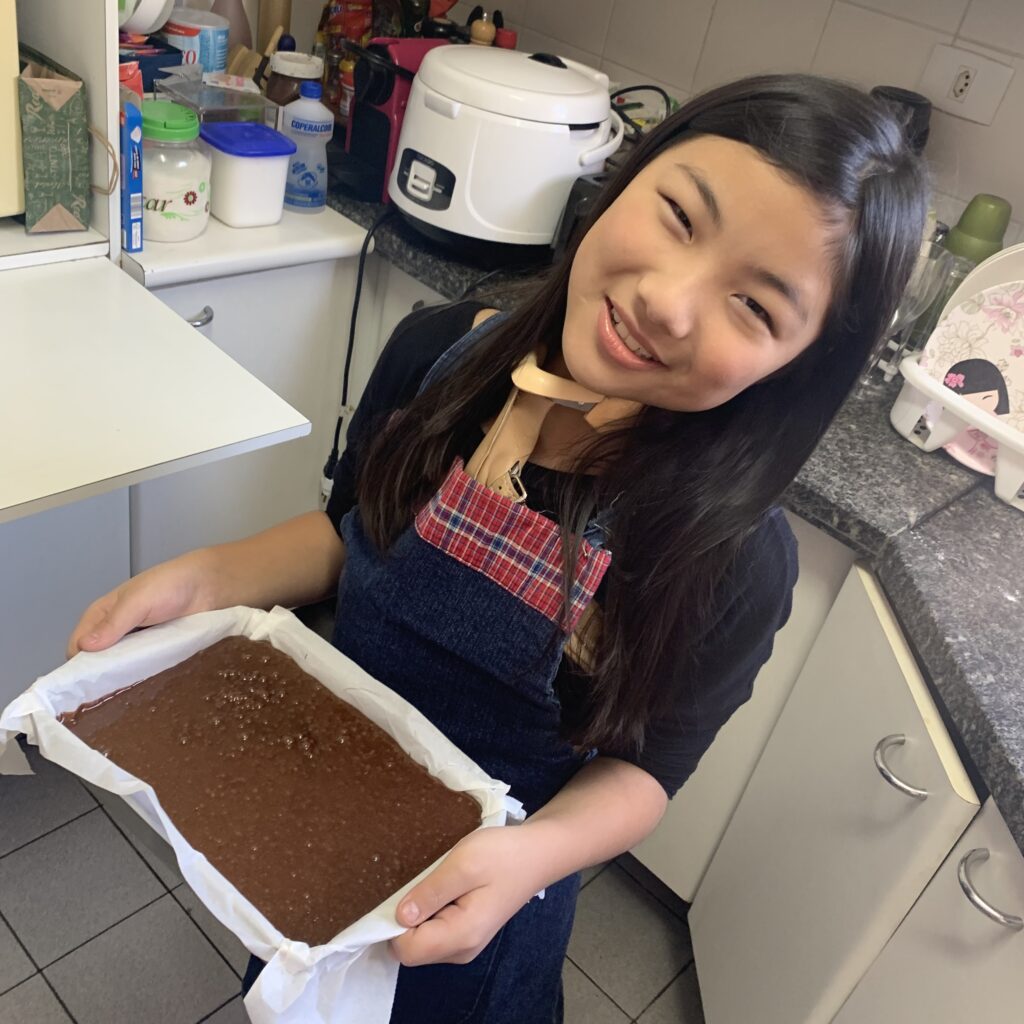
(753, 601)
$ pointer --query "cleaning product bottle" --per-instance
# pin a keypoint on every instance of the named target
(309, 124)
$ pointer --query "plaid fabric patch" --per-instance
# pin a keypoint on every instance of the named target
(517, 548)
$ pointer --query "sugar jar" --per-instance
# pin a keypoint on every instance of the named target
(175, 173)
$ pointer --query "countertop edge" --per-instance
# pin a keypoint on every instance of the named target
(299, 240)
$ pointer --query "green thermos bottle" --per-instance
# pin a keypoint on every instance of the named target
(978, 234)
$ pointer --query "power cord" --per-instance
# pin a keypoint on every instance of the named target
(327, 480)
(638, 129)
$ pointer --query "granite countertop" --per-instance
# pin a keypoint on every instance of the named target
(949, 555)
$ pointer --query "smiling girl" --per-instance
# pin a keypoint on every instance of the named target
(556, 531)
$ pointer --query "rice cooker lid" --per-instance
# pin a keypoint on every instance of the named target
(534, 87)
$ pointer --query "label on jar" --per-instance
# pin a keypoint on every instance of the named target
(173, 209)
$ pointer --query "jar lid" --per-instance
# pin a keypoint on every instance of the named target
(164, 121)
(296, 65)
(245, 138)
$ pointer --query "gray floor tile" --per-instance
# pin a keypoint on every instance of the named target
(32, 1002)
(68, 886)
(234, 952)
(154, 967)
(678, 1004)
(156, 852)
(626, 941)
(233, 1013)
(31, 805)
(14, 965)
(589, 874)
(585, 1003)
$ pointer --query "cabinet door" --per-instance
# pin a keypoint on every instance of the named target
(824, 857)
(55, 564)
(288, 327)
(680, 848)
(949, 963)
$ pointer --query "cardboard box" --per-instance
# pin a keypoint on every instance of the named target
(131, 174)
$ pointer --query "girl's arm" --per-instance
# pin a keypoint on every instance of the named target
(607, 808)
(294, 563)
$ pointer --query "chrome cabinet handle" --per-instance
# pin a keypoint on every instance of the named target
(202, 318)
(896, 740)
(969, 859)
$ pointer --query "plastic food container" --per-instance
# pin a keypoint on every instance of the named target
(175, 174)
(216, 103)
(250, 168)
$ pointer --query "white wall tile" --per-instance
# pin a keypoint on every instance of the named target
(581, 22)
(948, 208)
(751, 36)
(996, 23)
(663, 37)
(531, 41)
(944, 15)
(872, 49)
(968, 158)
(512, 11)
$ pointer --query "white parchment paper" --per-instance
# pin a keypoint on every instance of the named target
(349, 980)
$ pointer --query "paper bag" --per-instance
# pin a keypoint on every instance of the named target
(349, 980)
(55, 145)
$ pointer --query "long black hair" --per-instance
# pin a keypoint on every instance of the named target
(686, 489)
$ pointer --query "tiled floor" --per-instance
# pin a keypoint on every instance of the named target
(97, 926)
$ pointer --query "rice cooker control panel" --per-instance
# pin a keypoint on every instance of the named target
(425, 181)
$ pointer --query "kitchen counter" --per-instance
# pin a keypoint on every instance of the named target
(948, 553)
(220, 250)
(91, 397)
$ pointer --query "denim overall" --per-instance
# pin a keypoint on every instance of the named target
(462, 617)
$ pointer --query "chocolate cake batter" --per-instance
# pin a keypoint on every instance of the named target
(314, 813)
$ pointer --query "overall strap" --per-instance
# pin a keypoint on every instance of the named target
(450, 358)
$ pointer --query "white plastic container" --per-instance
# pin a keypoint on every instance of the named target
(250, 168)
(309, 124)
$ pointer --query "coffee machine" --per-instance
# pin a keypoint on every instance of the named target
(383, 77)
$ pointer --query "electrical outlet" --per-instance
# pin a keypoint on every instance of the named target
(964, 83)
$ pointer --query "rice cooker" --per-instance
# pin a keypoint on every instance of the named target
(493, 140)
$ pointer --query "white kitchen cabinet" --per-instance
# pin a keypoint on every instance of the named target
(389, 294)
(83, 37)
(287, 326)
(54, 565)
(950, 963)
(679, 849)
(823, 857)
(102, 387)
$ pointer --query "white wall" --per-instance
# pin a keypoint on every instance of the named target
(689, 45)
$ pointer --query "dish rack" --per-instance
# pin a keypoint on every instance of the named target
(930, 415)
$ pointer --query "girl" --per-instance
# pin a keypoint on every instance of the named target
(556, 531)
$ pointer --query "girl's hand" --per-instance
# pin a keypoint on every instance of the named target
(167, 591)
(458, 908)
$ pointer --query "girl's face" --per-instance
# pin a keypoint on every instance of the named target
(709, 272)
